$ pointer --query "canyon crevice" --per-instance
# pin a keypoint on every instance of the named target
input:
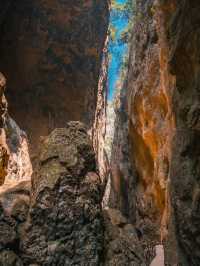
(96, 170)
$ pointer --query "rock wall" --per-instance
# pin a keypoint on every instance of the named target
(4, 157)
(99, 127)
(51, 51)
(184, 36)
(151, 119)
(164, 125)
(15, 164)
(51, 54)
(19, 164)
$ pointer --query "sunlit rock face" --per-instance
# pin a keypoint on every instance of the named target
(150, 117)
(110, 128)
(4, 157)
(164, 125)
(50, 52)
(19, 164)
(151, 121)
(99, 127)
(15, 164)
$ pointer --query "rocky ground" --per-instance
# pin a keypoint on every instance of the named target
(58, 219)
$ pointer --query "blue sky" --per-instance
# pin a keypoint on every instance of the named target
(117, 48)
(121, 1)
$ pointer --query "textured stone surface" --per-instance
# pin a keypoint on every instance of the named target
(15, 161)
(65, 222)
(184, 34)
(3, 102)
(123, 176)
(9, 258)
(121, 243)
(4, 157)
(51, 53)
(14, 205)
(164, 125)
(99, 130)
(151, 120)
(19, 164)
(8, 235)
(64, 225)
(15, 199)
(3, 164)
(99, 127)
(59, 220)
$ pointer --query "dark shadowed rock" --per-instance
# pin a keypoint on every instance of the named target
(8, 235)
(51, 53)
(185, 165)
(122, 245)
(9, 258)
(15, 197)
(14, 205)
(64, 225)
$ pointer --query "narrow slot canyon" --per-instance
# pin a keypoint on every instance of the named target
(99, 133)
